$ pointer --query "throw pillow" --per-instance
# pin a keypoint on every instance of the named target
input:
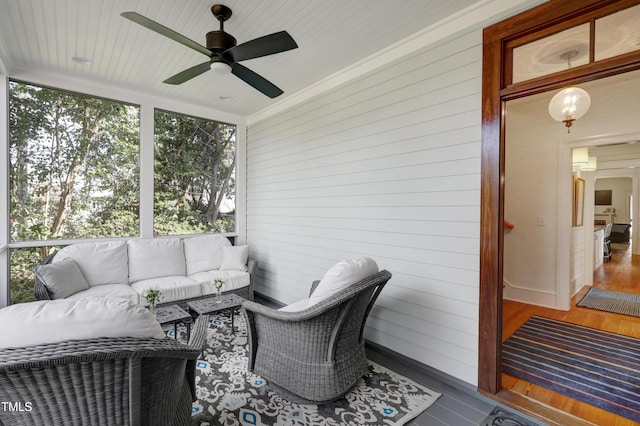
(342, 275)
(234, 258)
(62, 279)
(51, 321)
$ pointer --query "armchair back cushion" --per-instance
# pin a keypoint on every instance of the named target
(62, 279)
(155, 257)
(35, 323)
(204, 253)
(100, 263)
(342, 275)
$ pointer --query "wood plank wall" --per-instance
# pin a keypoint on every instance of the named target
(386, 166)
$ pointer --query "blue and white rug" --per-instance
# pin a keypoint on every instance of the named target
(229, 395)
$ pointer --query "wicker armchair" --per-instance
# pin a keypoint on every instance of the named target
(104, 381)
(315, 355)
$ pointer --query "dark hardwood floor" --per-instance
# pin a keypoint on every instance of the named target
(622, 273)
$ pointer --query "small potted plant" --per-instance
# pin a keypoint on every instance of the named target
(152, 296)
(218, 283)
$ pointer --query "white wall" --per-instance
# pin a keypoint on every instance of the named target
(386, 166)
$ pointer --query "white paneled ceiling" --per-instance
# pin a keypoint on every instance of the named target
(43, 35)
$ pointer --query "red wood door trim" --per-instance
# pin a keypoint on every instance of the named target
(525, 26)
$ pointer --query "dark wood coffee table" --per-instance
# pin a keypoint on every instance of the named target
(173, 314)
(210, 306)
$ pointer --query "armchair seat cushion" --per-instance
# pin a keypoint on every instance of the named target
(42, 322)
(172, 288)
(300, 305)
(122, 291)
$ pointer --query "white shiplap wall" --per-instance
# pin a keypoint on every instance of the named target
(386, 166)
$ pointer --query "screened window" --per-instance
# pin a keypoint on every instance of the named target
(74, 169)
(73, 173)
(194, 189)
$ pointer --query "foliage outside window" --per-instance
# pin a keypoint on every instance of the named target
(194, 170)
(73, 172)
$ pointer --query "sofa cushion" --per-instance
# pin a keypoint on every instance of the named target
(123, 291)
(234, 258)
(342, 275)
(155, 257)
(50, 321)
(100, 263)
(204, 253)
(173, 288)
(232, 280)
(62, 279)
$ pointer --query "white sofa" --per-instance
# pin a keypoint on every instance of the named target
(182, 268)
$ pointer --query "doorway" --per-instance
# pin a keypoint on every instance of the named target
(499, 86)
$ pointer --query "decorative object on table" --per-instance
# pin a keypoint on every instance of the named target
(228, 394)
(330, 322)
(218, 283)
(152, 296)
(211, 306)
(611, 301)
(592, 366)
(174, 314)
(501, 417)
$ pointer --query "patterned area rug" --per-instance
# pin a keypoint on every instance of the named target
(611, 301)
(229, 395)
(592, 366)
(502, 417)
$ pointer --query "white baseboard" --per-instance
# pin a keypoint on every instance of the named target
(546, 299)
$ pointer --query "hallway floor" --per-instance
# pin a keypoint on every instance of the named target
(622, 273)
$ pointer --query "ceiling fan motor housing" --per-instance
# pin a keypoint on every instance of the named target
(219, 41)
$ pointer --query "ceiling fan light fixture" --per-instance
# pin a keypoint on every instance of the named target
(220, 68)
(568, 105)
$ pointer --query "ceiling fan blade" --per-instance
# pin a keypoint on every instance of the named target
(263, 46)
(189, 73)
(167, 32)
(256, 81)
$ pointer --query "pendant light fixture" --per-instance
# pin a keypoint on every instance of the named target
(568, 105)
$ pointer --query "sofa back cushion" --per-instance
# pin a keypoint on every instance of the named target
(36, 323)
(342, 275)
(100, 262)
(155, 257)
(62, 279)
(235, 258)
(204, 253)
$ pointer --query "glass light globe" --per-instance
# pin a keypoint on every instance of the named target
(569, 104)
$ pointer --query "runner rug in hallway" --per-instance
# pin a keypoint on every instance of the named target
(611, 301)
(592, 366)
(229, 395)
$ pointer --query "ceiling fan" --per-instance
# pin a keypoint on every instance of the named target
(222, 51)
